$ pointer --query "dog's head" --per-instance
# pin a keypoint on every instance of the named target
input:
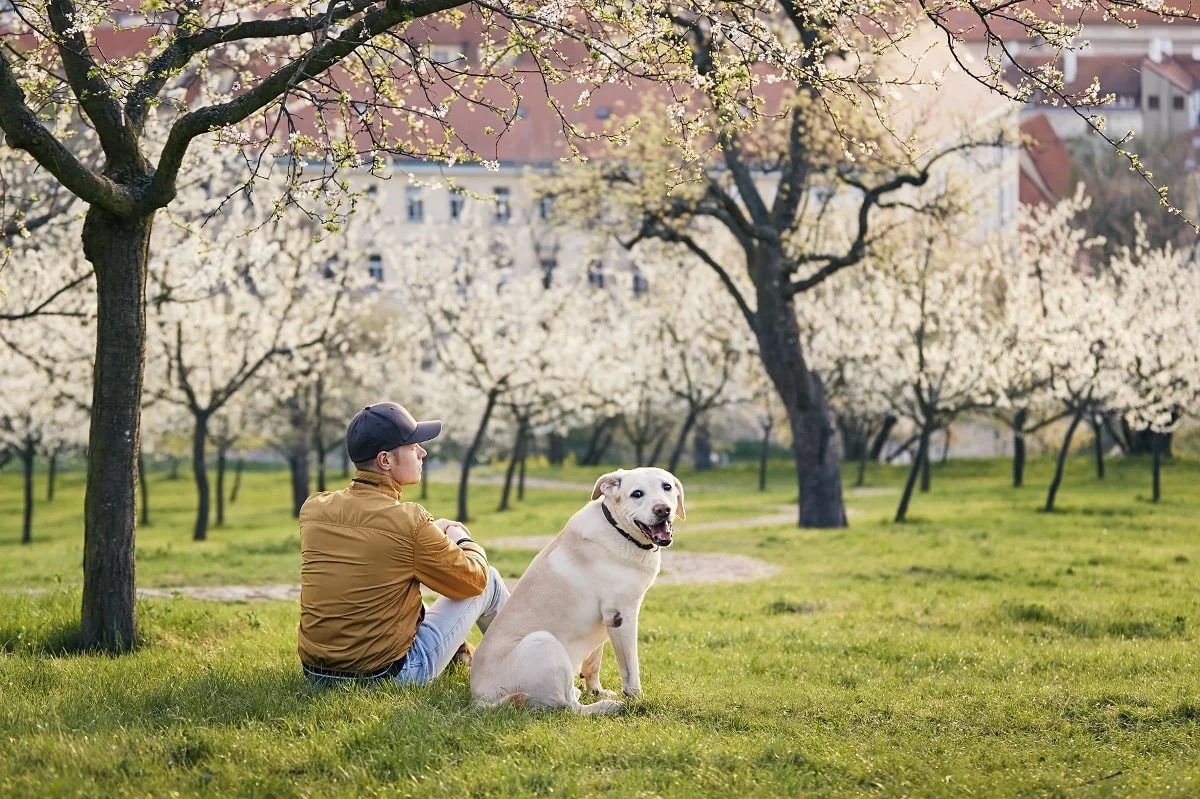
(647, 499)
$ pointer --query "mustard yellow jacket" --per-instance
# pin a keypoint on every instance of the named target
(364, 555)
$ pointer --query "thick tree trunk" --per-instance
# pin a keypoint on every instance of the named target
(118, 250)
(1018, 428)
(689, 422)
(763, 451)
(701, 448)
(237, 480)
(1062, 462)
(881, 437)
(918, 461)
(510, 472)
(200, 475)
(51, 475)
(143, 483)
(27, 454)
(1156, 446)
(856, 437)
(222, 459)
(472, 451)
(818, 472)
(1098, 448)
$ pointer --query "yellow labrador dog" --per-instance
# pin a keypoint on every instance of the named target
(585, 586)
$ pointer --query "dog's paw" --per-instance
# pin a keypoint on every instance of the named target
(604, 693)
(633, 693)
(464, 655)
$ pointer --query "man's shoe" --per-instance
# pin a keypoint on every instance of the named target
(464, 654)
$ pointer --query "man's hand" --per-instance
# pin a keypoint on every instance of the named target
(455, 531)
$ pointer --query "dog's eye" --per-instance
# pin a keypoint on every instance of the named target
(638, 494)
(667, 486)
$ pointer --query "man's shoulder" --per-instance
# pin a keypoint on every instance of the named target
(414, 512)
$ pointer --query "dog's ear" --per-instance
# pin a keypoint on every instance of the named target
(680, 511)
(607, 483)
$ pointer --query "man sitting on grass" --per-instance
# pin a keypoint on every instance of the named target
(365, 555)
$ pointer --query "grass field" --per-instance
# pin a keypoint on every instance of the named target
(983, 649)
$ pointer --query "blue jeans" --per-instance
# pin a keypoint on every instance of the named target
(446, 624)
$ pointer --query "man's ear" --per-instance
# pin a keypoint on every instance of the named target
(608, 484)
(680, 511)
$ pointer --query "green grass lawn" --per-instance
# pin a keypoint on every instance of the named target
(983, 649)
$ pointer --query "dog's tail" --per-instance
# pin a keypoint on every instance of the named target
(517, 699)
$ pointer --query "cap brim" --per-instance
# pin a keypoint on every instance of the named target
(425, 431)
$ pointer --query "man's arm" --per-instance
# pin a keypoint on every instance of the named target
(450, 562)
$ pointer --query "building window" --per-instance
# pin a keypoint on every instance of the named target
(1177, 102)
(414, 203)
(546, 207)
(548, 266)
(595, 274)
(375, 267)
(457, 201)
(640, 284)
(503, 204)
(1152, 102)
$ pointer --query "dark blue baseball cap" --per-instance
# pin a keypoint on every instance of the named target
(383, 427)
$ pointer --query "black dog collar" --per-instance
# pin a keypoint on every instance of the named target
(628, 537)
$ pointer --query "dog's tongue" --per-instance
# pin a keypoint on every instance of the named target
(661, 534)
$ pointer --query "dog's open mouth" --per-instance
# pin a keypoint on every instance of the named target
(658, 533)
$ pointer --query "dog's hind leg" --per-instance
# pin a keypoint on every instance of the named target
(547, 677)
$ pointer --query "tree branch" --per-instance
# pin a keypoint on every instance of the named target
(47, 301)
(24, 131)
(314, 62)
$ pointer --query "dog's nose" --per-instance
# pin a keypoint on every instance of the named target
(662, 510)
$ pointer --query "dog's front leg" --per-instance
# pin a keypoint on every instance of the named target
(622, 631)
(590, 672)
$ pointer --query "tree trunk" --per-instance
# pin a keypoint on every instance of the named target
(172, 467)
(521, 472)
(27, 454)
(298, 462)
(319, 433)
(818, 472)
(701, 448)
(143, 483)
(222, 450)
(424, 484)
(1062, 460)
(472, 451)
(555, 449)
(51, 474)
(926, 475)
(345, 462)
(856, 437)
(946, 446)
(763, 452)
(656, 453)
(511, 471)
(1098, 448)
(689, 421)
(862, 462)
(597, 444)
(118, 250)
(200, 475)
(1018, 428)
(921, 456)
(237, 480)
(1156, 460)
(881, 437)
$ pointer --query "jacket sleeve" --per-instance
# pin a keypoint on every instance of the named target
(454, 572)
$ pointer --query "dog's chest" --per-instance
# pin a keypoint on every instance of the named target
(605, 576)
